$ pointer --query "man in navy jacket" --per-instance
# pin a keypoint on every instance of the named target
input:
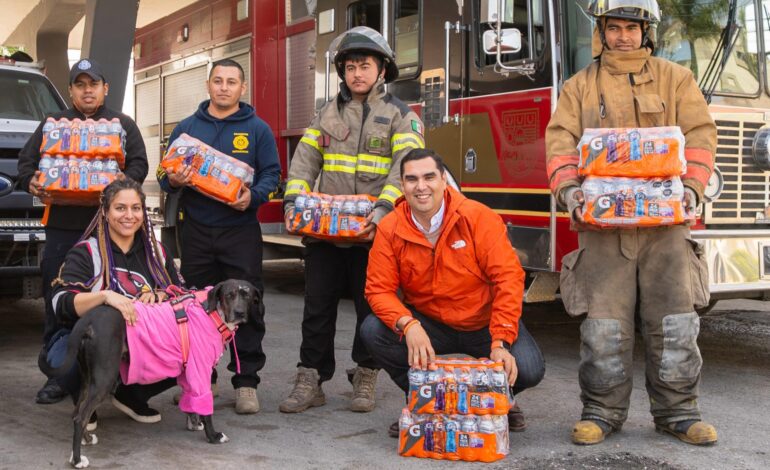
(218, 240)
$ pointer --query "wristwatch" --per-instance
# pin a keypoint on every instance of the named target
(499, 343)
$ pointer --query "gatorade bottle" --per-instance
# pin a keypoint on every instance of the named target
(451, 390)
(64, 176)
(499, 390)
(612, 147)
(450, 448)
(439, 437)
(335, 220)
(66, 134)
(84, 136)
(463, 388)
(468, 439)
(487, 434)
(93, 139)
(427, 443)
(111, 166)
(501, 434)
(84, 166)
(635, 144)
(46, 162)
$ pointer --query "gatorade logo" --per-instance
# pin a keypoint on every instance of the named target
(425, 391)
(596, 144)
(604, 202)
(54, 134)
(414, 430)
(53, 172)
(307, 215)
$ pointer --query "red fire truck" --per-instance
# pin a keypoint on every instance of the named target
(485, 107)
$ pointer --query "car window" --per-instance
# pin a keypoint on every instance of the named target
(26, 96)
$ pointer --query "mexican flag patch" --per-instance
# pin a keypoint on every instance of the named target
(417, 126)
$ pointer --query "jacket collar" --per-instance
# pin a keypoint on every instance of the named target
(619, 62)
(245, 111)
(331, 121)
(409, 231)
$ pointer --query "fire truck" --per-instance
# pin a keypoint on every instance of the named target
(485, 76)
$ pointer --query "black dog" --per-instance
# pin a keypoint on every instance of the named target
(98, 342)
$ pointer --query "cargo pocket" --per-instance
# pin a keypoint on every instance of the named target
(571, 284)
(681, 359)
(699, 275)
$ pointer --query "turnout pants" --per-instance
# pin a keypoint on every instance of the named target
(214, 254)
(391, 350)
(330, 273)
(660, 271)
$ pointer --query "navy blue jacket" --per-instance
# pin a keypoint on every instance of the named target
(260, 153)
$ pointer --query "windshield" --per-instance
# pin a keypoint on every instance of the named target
(688, 34)
(26, 96)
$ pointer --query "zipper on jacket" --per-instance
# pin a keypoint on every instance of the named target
(365, 114)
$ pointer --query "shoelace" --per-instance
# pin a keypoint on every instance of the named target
(303, 382)
(366, 384)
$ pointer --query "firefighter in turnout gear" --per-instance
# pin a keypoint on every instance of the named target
(353, 146)
(659, 270)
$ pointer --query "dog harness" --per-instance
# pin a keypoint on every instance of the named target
(179, 303)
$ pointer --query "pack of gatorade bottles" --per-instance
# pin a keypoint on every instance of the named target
(632, 153)
(329, 217)
(633, 176)
(215, 174)
(457, 410)
(84, 139)
(615, 202)
(70, 180)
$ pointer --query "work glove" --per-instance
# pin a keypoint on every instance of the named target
(574, 199)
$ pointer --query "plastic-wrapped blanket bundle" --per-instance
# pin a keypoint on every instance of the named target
(215, 174)
(618, 202)
(328, 217)
(632, 153)
(75, 181)
(457, 410)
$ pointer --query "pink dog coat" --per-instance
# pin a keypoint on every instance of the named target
(155, 352)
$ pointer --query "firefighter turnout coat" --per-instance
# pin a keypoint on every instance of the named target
(354, 147)
(630, 89)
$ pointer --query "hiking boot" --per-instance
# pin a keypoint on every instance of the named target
(590, 431)
(394, 430)
(50, 393)
(246, 401)
(214, 392)
(135, 410)
(516, 421)
(307, 392)
(363, 380)
(691, 431)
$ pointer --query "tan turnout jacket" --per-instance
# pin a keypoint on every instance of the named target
(356, 148)
(632, 89)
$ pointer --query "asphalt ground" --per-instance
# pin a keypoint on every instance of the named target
(735, 396)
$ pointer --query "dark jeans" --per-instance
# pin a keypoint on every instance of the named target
(391, 350)
(57, 243)
(214, 254)
(71, 381)
(330, 273)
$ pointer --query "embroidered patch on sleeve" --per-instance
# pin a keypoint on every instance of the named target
(417, 126)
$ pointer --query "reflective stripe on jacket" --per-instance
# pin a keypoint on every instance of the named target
(356, 148)
(472, 278)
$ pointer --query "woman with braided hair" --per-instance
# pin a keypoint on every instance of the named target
(117, 261)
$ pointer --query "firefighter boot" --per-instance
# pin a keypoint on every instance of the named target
(363, 380)
(590, 431)
(691, 431)
(307, 392)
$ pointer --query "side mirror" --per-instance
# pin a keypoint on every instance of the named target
(510, 41)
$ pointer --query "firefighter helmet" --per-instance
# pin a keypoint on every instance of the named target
(633, 10)
(366, 40)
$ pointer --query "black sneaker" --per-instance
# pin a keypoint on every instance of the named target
(91, 426)
(137, 411)
(50, 393)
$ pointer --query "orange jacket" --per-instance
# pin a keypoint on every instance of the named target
(471, 279)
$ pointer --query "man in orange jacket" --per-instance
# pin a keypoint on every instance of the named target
(460, 279)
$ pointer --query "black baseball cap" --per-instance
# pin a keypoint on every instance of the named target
(88, 67)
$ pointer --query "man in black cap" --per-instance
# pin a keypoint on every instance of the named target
(65, 224)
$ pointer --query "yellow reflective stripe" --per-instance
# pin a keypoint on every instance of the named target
(296, 187)
(402, 141)
(311, 142)
(340, 157)
(310, 132)
(374, 163)
(340, 168)
(390, 193)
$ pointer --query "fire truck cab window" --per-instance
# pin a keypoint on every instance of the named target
(406, 36)
(524, 15)
(364, 13)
